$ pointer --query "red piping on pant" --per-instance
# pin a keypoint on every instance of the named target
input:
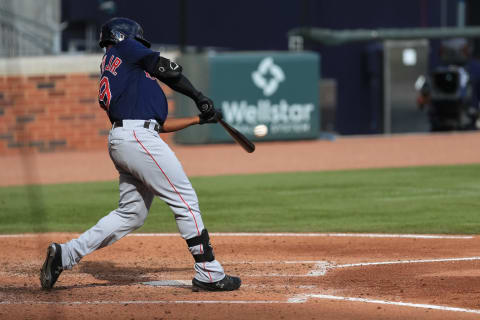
(176, 191)
(170, 182)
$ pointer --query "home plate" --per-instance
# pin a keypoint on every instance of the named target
(169, 283)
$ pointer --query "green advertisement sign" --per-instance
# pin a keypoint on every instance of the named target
(266, 95)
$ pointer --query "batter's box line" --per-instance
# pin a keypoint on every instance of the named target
(270, 234)
(186, 284)
(303, 298)
(320, 268)
(298, 299)
(364, 264)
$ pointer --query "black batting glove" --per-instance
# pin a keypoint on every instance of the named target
(211, 117)
(204, 104)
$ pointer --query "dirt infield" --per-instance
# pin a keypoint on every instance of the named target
(342, 153)
(285, 276)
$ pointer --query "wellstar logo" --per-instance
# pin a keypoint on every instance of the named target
(266, 112)
(268, 76)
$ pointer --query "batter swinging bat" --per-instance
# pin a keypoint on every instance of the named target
(246, 144)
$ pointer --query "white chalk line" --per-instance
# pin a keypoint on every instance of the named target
(188, 284)
(320, 268)
(363, 264)
(299, 299)
(262, 234)
(140, 302)
(281, 234)
(305, 297)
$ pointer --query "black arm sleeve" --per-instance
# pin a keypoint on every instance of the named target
(170, 73)
(184, 86)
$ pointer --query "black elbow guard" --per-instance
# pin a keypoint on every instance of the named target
(166, 69)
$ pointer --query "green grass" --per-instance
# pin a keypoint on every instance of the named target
(406, 200)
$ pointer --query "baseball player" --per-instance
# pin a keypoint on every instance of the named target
(137, 109)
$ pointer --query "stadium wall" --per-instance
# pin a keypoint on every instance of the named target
(49, 104)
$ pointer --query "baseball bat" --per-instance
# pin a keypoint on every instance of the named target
(246, 144)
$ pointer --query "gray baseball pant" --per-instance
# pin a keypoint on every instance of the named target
(148, 168)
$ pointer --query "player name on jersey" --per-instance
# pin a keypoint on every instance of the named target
(112, 65)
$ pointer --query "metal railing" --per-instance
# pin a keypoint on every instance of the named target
(337, 37)
(22, 33)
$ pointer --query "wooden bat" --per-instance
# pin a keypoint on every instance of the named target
(246, 144)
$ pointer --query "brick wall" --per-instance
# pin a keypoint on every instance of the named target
(50, 112)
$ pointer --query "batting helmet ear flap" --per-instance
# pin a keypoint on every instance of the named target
(143, 41)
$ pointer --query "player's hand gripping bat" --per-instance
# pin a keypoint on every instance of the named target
(210, 115)
(246, 144)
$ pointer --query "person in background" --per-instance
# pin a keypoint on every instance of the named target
(451, 92)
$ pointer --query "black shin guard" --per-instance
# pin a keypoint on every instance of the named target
(207, 250)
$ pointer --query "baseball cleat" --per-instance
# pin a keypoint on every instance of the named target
(52, 267)
(229, 283)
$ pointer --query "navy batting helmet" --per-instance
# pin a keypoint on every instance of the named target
(118, 29)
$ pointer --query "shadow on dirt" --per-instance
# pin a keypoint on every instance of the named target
(117, 275)
(113, 274)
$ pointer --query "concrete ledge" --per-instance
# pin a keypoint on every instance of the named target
(47, 65)
(61, 64)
